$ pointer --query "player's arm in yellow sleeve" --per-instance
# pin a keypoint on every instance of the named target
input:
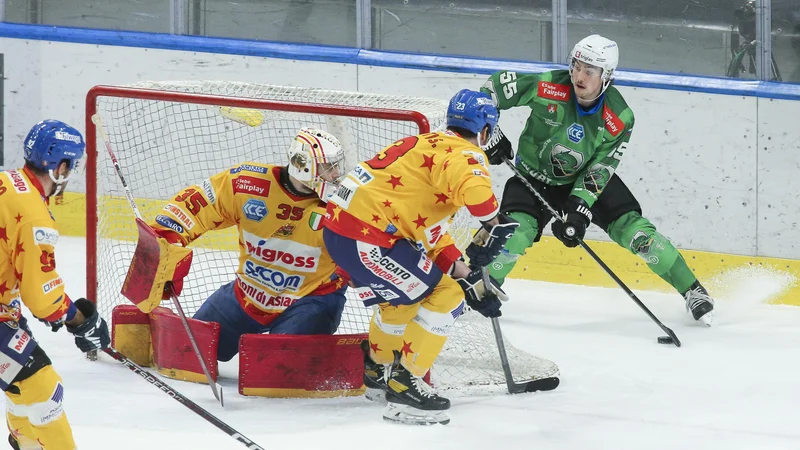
(465, 176)
(41, 288)
(196, 210)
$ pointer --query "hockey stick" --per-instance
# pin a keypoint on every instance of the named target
(197, 409)
(543, 384)
(215, 388)
(594, 256)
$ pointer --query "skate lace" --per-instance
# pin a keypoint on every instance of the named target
(422, 387)
(695, 297)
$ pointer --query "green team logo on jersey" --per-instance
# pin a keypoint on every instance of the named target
(566, 162)
(597, 178)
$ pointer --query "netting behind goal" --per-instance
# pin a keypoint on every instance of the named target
(169, 135)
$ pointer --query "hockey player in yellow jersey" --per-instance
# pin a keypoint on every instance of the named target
(387, 227)
(286, 282)
(28, 234)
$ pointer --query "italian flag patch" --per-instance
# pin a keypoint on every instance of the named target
(315, 222)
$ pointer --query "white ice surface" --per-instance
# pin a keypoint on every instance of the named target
(733, 386)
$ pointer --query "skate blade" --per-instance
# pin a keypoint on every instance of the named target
(707, 319)
(375, 395)
(408, 415)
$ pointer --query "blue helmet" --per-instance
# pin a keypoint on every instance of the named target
(472, 110)
(51, 141)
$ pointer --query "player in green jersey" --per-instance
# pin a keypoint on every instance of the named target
(569, 150)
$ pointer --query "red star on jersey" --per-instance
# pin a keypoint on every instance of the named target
(19, 217)
(375, 218)
(441, 198)
(428, 162)
(449, 150)
(3, 288)
(63, 308)
(217, 224)
(19, 248)
(396, 218)
(17, 275)
(374, 347)
(420, 221)
(395, 181)
(3, 234)
(406, 348)
(446, 165)
(387, 203)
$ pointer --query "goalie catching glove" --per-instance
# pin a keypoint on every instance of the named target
(490, 240)
(478, 298)
(92, 333)
(157, 269)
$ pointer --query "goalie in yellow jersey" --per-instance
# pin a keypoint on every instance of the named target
(387, 227)
(286, 282)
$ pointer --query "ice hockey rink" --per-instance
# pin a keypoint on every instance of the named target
(733, 386)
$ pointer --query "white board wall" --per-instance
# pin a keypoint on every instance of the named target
(713, 172)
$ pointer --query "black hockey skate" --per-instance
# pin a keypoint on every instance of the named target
(374, 376)
(411, 400)
(13, 442)
(700, 303)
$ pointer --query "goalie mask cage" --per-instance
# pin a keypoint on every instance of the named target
(170, 135)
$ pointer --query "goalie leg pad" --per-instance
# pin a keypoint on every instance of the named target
(130, 334)
(173, 355)
(293, 366)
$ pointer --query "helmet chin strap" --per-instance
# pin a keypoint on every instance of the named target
(60, 182)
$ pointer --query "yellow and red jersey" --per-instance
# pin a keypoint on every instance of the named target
(28, 235)
(411, 190)
(282, 257)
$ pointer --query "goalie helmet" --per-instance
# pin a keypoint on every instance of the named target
(599, 52)
(315, 155)
(49, 143)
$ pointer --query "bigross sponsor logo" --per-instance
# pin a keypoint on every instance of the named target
(291, 255)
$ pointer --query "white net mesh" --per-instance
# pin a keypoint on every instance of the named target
(166, 143)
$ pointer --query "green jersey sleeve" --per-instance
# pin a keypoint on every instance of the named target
(509, 89)
(591, 181)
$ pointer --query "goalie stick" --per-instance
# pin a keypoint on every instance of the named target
(215, 387)
(197, 409)
(543, 384)
(594, 256)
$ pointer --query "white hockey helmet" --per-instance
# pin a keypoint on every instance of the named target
(599, 52)
(314, 153)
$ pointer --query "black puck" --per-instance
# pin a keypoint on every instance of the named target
(665, 340)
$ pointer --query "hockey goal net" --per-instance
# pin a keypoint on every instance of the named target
(169, 135)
